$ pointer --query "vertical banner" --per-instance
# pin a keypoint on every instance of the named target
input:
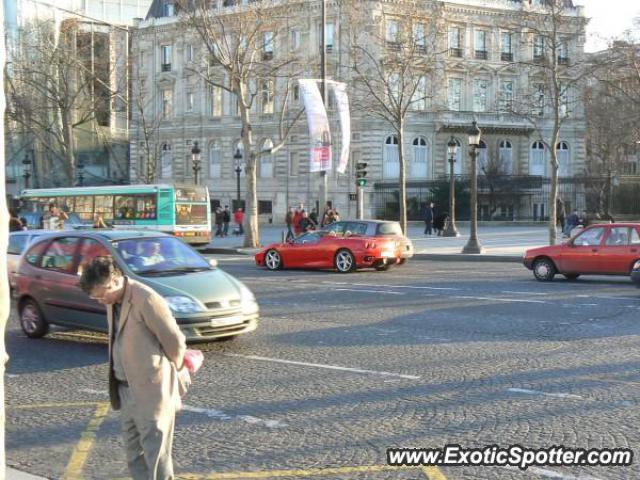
(318, 123)
(342, 105)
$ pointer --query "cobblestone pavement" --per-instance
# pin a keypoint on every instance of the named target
(344, 366)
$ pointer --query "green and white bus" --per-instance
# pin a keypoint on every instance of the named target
(181, 210)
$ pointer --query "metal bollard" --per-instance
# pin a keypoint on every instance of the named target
(284, 237)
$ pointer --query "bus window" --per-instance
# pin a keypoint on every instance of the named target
(84, 207)
(135, 207)
(104, 207)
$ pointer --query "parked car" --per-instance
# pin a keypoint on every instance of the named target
(206, 302)
(18, 242)
(610, 249)
(344, 246)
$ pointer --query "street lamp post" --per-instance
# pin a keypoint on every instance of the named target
(451, 230)
(195, 160)
(238, 158)
(27, 170)
(473, 245)
(80, 168)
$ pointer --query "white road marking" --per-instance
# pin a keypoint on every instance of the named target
(220, 415)
(497, 299)
(524, 293)
(392, 286)
(367, 291)
(321, 365)
(537, 392)
(94, 392)
(545, 472)
(12, 375)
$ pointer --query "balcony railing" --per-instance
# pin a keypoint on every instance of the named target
(455, 52)
(541, 59)
(165, 67)
(506, 57)
(482, 54)
(563, 60)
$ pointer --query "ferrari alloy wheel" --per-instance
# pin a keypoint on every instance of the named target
(272, 260)
(344, 261)
(31, 320)
(544, 270)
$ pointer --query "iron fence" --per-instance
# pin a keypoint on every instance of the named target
(514, 197)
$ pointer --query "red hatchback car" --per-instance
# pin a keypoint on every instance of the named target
(609, 249)
(344, 245)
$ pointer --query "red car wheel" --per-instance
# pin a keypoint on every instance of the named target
(344, 261)
(273, 260)
(544, 270)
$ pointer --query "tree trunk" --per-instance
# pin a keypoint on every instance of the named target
(251, 227)
(4, 235)
(69, 146)
(402, 198)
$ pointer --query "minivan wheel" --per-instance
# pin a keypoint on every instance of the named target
(344, 261)
(32, 321)
(544, 270)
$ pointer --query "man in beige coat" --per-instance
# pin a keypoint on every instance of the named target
(146, 348)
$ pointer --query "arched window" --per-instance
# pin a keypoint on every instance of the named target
(506, 156)
(483, 158)
(166, 161)
(562, 150)
(215, 161)
(420, 164)
(536, 159)
(266, 160)
(391, 157)
(457, 165)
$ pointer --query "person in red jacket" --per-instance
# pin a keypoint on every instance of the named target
(297, 218)
(238, 217)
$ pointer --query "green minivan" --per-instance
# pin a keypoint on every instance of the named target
(206, 302)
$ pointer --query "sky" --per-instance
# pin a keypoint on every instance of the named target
(609, 18)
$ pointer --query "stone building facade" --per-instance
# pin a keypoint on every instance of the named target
(485, 61)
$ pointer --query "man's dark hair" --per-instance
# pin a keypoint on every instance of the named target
(97, 273)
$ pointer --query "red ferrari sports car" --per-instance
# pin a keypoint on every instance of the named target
(610, 249)
(345, 246)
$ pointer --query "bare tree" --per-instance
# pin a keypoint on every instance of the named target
(146, 120)
(556, 77)
(4, 241)
(393, 60)
(52, 92)
(242, 60)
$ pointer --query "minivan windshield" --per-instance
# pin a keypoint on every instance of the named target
(389, 228)
(159, 255)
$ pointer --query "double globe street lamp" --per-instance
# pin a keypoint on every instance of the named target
(451, 230)
(238, 158)
(195, 162)
(473, 244)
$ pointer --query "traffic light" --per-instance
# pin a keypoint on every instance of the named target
(361, 174)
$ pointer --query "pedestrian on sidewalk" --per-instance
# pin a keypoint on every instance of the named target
(146, 349)
(226, 218)
(428, 219)
(219, 221)
(297, 218)
(440, 223)
(571, 223)
(288, 219)
(560, 213)
(238, 217)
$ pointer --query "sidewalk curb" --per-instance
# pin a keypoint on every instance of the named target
(446, 257)
(468, 257)
(13, 474)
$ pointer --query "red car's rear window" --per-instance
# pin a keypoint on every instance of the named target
(389, 229)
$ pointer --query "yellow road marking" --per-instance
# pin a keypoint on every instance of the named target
(54, 405)
(431, 473)
(81, 452)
